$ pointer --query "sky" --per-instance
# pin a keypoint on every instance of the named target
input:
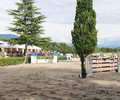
(60, 18)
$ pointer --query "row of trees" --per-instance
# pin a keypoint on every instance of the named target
(64, 48)
(104, 50)
(59, 47)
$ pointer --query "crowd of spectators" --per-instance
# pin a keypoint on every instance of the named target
(13, 54)
(41, 53)
(21, 54)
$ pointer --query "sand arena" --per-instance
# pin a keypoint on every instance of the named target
(56, 82)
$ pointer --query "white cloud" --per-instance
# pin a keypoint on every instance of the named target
(64, 40)
(60, 17)
(62, 11)
(108, 11)
(58, 32)
(108, 33)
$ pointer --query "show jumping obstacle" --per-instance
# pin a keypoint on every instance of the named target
(102, 64)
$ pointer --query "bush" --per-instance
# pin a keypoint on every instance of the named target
(11, 61)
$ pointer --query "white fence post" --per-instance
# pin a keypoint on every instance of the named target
(33, 58)
(55, 57)
(118, 62)
(88, 65)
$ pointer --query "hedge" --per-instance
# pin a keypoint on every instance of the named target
(13, 61)
(44, 57)
(62, 58)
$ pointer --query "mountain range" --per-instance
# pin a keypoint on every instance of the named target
(114, 44)
(107, 45)
(8, 36)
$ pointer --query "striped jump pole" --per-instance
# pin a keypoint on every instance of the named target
(105, 59)
(103, 71)
(104, 62)
(104, 67)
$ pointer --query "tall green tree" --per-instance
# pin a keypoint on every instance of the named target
(27, 23)
(84, 34)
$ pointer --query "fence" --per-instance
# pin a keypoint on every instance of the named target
(40, 59)
(88, 65)
(97, 64)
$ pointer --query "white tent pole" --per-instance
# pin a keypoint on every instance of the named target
(22, 50)
(17, 49)
(2, 52)
(2, 49)
(11, 49)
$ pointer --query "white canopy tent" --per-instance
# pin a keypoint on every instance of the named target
(4, 45)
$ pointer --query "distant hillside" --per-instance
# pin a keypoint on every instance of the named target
(8, 36)
(118, 48)
(70, 44)
(113, 45)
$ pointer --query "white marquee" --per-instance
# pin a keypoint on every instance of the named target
(4, 45)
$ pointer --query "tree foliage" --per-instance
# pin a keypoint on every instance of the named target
(106, 50)
(27, 23)
(84, 34)
(59, 47)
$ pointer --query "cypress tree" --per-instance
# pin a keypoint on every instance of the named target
(84, 34)
(27, 23)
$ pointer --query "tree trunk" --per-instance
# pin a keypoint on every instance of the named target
(83, 70)
(26, 44)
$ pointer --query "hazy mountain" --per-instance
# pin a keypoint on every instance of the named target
(8, 36)
(70, 44)
(118, 48)
(109, 45)
(114, 44)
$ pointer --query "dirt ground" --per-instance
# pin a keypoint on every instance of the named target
(56, 82)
